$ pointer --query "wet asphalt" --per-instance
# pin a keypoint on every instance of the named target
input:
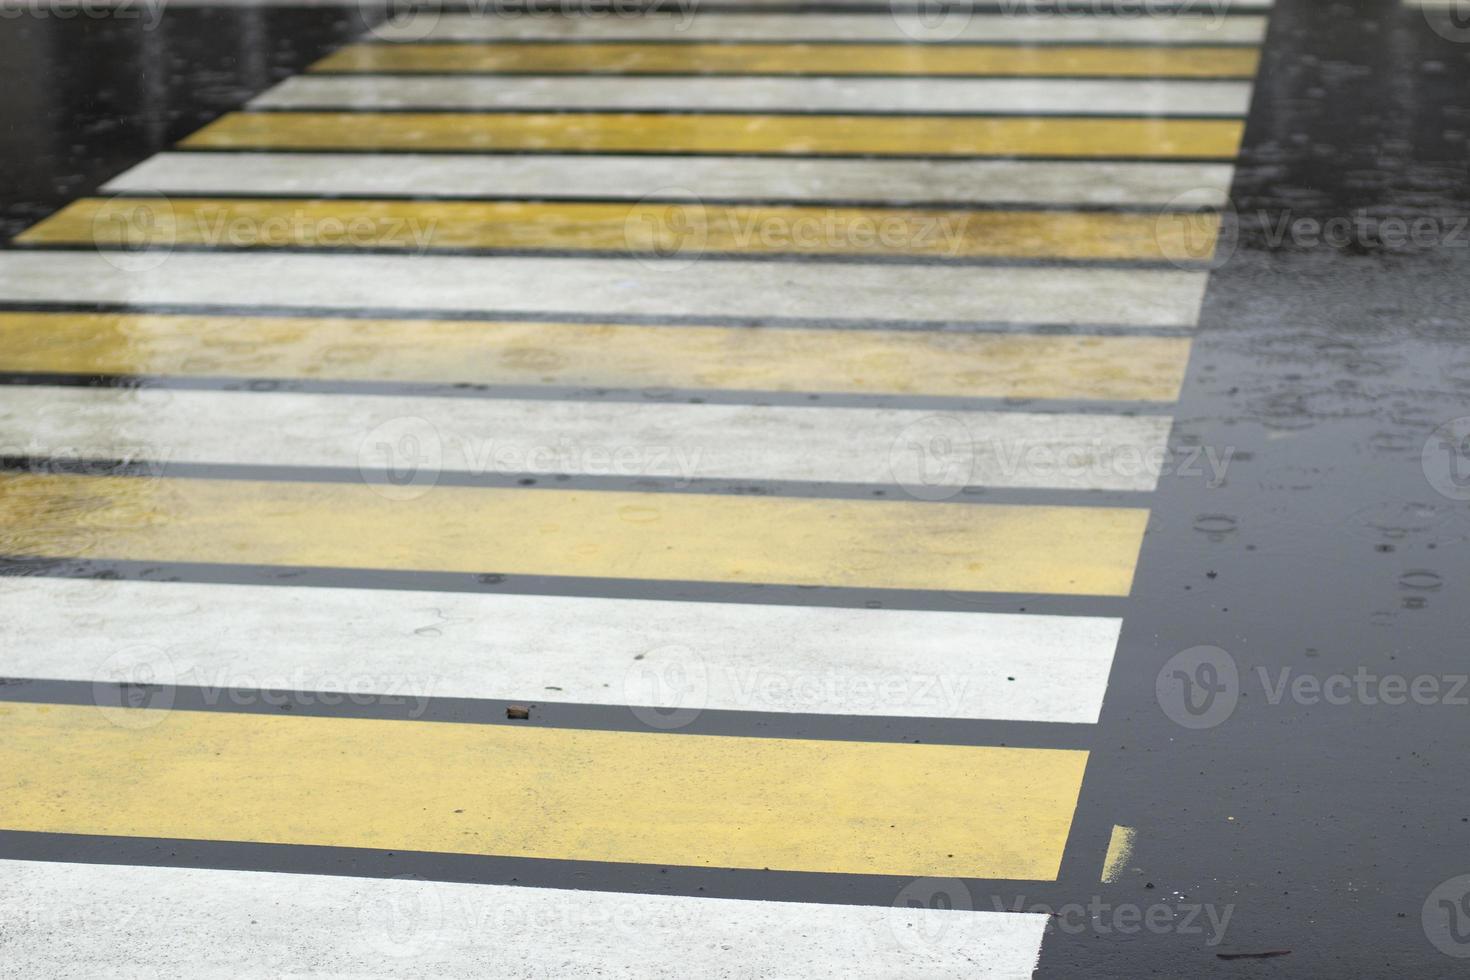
(1276, 807)
(1335, 545)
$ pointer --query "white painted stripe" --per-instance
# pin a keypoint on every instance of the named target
(686, 655)
(632, 177)
(609, 287)
(1181, 28)
(673, 441)
(956, 95)
(1122, 7)
(1074, 8)
(85, 920)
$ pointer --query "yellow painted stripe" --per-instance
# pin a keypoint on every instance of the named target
(632, 132)
(650, 798)
(1120, 852)
(799, 59)
(664, 536)
(605, 355)
(651, 228)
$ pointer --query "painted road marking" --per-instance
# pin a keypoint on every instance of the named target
(952, 95)
(897, 28)
(601, 288)
(658, 536)
(558, 793)
(885, 362)
(521, 790)
(1020, 136)
(1074, 8)
(630, 440)
(1120, 852)
(1079, 182)
(581, 650)
(363, 927)
(796, 59)
(639, 228)
(603, 795)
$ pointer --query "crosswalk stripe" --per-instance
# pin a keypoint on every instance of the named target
(599, 355)
(1047, 8)
(568, 794)
(607, 8)
(898, 27)
(1036, 136)
(796, 59)
(356, 927)
(652, 536)
(638, 228)
(610, 287)
(951, 95)
(910, 448)
(685, 656)
(1079, 182)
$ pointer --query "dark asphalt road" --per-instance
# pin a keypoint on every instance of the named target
(1292, 804)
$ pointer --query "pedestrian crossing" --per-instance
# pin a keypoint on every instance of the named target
(522, 457)
(628, 797)
(469, 438)
(1074, 550)
(651, 288)
(671, 26)
(954, 96)
(652, 228)
(834, 59)
(293, 925)
(580, 649)
(1077, 183)
(170, 348)
(629, 132)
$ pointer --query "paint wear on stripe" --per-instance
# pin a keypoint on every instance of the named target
(600, 355)
(407, 525)
(279, 922)
(924, 453)
(703, 801)
(932, 95)
(795, 59)
(559, 287)
(959, 182)
(899, 27)
(672, 657)
(1039, 136)
(662, 229)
